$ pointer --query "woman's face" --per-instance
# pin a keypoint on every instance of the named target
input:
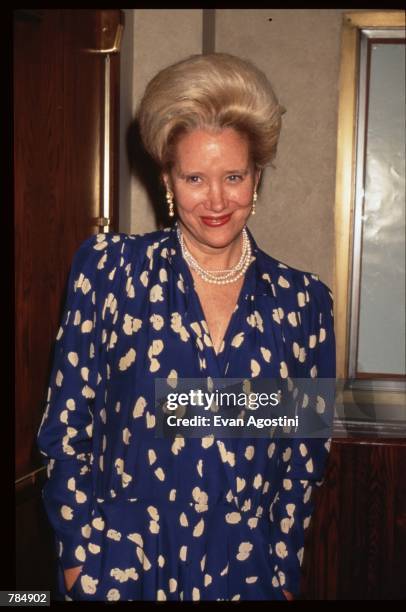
(213, 180)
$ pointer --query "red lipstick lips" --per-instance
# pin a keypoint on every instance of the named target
(216, 221)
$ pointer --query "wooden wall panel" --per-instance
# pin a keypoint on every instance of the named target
(357, 537)
(34, 542)
(58, 190)
(58, 153)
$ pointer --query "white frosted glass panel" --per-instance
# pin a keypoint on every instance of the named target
(381, 341)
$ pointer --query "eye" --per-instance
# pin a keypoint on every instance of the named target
(235, 178)
(193, 178)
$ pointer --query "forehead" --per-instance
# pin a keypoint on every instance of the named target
(201, 145)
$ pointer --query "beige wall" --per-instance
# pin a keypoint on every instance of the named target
(160, 37)
(299, 51)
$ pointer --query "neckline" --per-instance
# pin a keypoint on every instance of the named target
(261, 284)
(247, 288)
(236, 308)
(203, 272)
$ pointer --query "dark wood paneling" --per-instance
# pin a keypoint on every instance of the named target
(356, 544)
(35, 544)
(58, 179)
(320, 562)
(38, 83)
(58, 153)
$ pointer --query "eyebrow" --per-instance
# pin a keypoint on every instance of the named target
(192, 173)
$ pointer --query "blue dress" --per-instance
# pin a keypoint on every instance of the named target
(189, 518)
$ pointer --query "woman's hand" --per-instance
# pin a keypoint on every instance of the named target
(288, 595)
(70, 576)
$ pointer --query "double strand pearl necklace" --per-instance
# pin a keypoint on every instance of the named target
(219, 277)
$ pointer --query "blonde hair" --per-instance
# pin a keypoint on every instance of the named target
(212, 91)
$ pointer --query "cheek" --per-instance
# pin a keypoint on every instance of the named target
(241, 194)
(189, 203)
(188, 199)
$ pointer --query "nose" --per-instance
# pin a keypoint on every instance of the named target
(216, 199)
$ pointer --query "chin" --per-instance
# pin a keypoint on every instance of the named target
(220, 236)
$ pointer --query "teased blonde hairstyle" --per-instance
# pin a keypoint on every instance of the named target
(212, 91)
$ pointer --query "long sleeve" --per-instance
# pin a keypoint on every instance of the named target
(304, 459)
(64, 437)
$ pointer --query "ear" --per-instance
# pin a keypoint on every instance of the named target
(258, 172)
(166, 180)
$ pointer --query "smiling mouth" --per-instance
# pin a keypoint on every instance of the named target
(216, 220)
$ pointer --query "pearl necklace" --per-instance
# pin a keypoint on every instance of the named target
(224, 276)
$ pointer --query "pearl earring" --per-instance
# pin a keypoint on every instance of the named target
(169, 199)
(254, 199)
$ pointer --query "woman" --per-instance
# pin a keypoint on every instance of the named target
(138, 517)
